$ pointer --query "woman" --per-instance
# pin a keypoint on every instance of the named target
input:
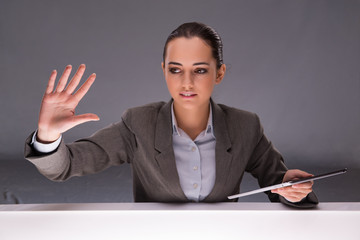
(189, 149)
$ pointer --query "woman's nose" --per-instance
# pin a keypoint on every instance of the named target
(188, 81)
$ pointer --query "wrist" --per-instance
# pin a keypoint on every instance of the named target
(46, 136)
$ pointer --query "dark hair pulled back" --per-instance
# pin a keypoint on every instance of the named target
(200, 30)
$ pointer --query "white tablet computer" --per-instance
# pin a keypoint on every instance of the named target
(286, 184)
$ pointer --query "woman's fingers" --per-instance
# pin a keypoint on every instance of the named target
(294, 193)
(294, 196)
(51, 83)
(305, 185)
(290, 195)
(57, 112)
(295, 174)
(292, 189)
(63, 79)
(72, 84)
(297, 192)
(80, 93)
(79, 119)
(76, 79)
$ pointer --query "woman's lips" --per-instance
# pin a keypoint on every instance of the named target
(188, 94)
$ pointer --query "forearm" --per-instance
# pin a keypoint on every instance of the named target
(110, 146)
(50, 162)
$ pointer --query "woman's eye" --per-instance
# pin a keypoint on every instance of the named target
(174, 70)
(201, 71)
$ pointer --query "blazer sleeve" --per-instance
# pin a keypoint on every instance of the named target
(267, 165)
(113, 145)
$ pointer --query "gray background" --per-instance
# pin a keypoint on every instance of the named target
(294, 63)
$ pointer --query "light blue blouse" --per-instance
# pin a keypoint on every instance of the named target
(195, 160)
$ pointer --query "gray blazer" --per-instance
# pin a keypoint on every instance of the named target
(143, 138)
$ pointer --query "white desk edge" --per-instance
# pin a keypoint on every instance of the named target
(259, 206)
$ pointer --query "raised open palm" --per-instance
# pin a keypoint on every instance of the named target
(57, 113)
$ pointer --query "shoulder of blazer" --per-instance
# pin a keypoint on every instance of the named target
(141, 116)
(239, 114)
(235, 115)
(239, 121)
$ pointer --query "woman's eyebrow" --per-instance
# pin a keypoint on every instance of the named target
(175, 63)
(201, 63)
(198, 63)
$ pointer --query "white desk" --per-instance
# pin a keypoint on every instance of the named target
(179, 221)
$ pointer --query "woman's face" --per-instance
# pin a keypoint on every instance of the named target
(190, 72)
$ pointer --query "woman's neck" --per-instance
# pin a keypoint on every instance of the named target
(192, 121)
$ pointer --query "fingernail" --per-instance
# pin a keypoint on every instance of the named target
(69, 66)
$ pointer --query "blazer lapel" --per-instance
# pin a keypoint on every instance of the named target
(166, 156)
(222, 156)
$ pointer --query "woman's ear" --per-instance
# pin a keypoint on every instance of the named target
(163, 67)
(220, 73)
